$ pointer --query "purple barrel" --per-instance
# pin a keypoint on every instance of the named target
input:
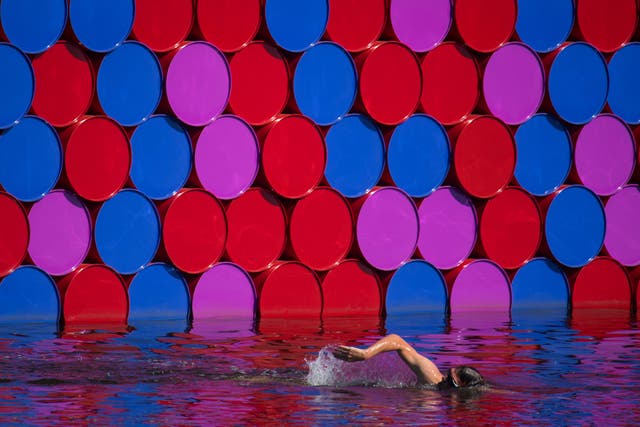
(479, 285)
(605, 154)
(387, 228)
(224, 291)
(60, 227)
(448, 227)
(622, 236)
(421, 25)
(227, 157)
(198, 83)
(513, 83)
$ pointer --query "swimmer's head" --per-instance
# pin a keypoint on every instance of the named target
(462, 377)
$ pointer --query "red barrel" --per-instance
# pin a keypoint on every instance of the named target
(289, 289)
(351, 289)
(607, 25)
(97, 157)
(603, 283)
(484, 155)
(390, 82)
(194, 230)
(256, 230)
(162, 24)
(64, 84)
(355, 26)
(450, 83)
(485, 25)
(228, 24)
(14, 229)
(293, 155)
(94, 293)
(510, 228)
(321, 229)
(258, 97)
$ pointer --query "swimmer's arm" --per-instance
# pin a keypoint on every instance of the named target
(425, 369)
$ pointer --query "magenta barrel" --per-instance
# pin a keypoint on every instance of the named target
(321, 229)
(624, 84)
(513, 83)
(605, 154)
(198, 82)
(293, 155)
(510, 228)
(421, 25)
(158, 292)
(258, 97)
(28, 294)
(224, 291)
(296, 25)
(540, 284)
(93, 293)
(390, 82)
(14, 229)
(602, 283)
(65, 81)
(479, 285)
(450, 83)
(387, 228)
(355, 27)
(484, 155)
(351, 289)
(416, 288)
(485, 25)
(622, 236)
(60, 227)
(97, 157)
(17, 85)
(30, 159)
(161, 157)
(129, 83)
(162, 24)
(228, 24)
(289, 290)
(545, 24)
(33, 25)
(256, 230)
(194, 230)
(226, 157)
(101, 26)
(607, 26)
(448, 227)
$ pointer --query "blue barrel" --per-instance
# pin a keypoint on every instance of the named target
(544, 24)
(33, 25)
(575, 226)
(127, 231)
(416, 287)
(543, 154)
(130, 83)
(101, 25)
(296, 25)
(158, 292)
(355, 155)
(539, 284)
(160, 157)
(17, 85)
(418, 155)
(30, 159)
(624, 83)
(325, 83)
(578, 83)
(29, 294)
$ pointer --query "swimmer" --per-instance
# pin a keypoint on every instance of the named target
(463, 377)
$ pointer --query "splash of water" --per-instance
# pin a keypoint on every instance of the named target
(384, 370)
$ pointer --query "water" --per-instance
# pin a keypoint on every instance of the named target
(544, 369)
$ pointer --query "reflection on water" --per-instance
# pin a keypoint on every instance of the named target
(544, 368)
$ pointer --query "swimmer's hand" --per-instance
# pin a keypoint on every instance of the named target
(349, 354)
